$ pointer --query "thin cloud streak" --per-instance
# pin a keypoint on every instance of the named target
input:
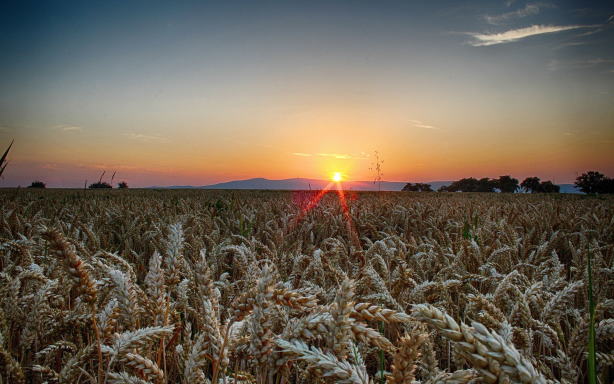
(335, 155)
(530, 9)
(420, 124)
(68, 128)
(342, 156)
(487, 39)
(146, 138)
(555, 65)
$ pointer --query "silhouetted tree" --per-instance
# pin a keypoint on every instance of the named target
(590, 182)
(471, 185)
(462, 185)
(548, 187)
(595, 182)
(487, 185)
(122, 185)
(607, 186)
(418, 187)
(507, 184)
(100, 185)
(38, 184)
(531, 184)
(425, 187)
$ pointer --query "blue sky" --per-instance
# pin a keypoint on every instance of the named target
(198, 92)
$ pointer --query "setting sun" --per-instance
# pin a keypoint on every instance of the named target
(337, 177)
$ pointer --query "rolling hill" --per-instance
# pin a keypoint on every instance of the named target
(295, 184)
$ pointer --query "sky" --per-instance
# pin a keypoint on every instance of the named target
(193, 93)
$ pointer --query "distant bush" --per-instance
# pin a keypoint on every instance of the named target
(122, 185)
(100, 185)
(38, 184)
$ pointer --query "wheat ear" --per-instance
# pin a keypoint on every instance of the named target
(326, 364)
(493, 358)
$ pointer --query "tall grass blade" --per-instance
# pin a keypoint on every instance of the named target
(3, 159)
(592, 369)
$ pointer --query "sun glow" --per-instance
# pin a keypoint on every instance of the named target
(337, 177)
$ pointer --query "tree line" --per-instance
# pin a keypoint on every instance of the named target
(589, 182)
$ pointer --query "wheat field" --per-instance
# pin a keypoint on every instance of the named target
(149, 286)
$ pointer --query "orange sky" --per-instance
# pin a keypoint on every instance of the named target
(209, 92)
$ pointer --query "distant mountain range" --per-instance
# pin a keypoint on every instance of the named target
(316, 184)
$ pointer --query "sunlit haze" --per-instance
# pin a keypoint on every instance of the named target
(194, 93)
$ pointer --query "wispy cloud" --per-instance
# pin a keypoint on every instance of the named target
(530, 9)
(420, 124)
(50, 166)
(146, 138)
(555, 65)
(112, 167)
(571, 44)
(486, 39)
(336, 155)
(343, 156)
(361, 156)
(67, 128)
